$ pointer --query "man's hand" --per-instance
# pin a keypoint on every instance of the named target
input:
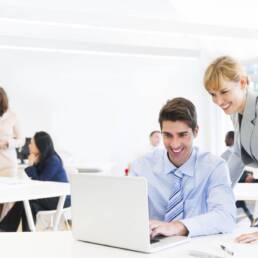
(167, 228)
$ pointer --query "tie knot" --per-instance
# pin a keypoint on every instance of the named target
(175, 172)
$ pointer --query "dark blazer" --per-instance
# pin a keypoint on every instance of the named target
(245, 151)
(51, 170)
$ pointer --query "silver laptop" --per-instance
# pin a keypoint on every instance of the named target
(113, 211)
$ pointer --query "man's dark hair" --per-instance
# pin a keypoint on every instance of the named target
(153, 132)
(45, 145)
(179, 109)
(229, 140)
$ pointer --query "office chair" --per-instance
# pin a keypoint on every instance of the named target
(45, 219)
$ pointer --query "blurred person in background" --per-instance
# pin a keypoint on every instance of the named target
(10, 138)
(45, 165)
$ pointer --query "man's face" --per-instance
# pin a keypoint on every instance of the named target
(229, 142)
(178, 139)
(155, 139)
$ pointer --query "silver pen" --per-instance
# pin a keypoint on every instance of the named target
(224, 248)
(201, 254)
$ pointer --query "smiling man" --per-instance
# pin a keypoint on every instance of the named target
(189, 190)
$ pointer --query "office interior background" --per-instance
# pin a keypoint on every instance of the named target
(94, 74)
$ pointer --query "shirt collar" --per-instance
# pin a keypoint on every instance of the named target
(186, 169)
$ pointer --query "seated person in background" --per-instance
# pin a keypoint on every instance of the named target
(189, 191)
(247, 177)
(45, 165)
(155, 139)
(154, 142)
(229, 141)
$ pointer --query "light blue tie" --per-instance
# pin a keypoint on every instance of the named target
(175, 207)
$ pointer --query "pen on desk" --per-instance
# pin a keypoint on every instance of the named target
(224, 248)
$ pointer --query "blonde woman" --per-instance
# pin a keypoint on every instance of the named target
(227, 83)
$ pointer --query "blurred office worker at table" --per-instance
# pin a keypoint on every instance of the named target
(45, 165)
(229, 141)
(189, 190)
(154, 142)
(247, 176)
(227, 83)
(10, 137)
(155, 139)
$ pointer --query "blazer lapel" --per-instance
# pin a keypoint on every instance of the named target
(248, 124)
(254, 138)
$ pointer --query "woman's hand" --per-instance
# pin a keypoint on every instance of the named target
(4, 144)
(247, 238)
(33, 159)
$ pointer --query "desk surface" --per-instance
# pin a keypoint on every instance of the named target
(246, 191)
(12, 189)
(62, 244)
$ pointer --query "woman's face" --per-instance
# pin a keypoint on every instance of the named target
(33, 148)
(231, 96)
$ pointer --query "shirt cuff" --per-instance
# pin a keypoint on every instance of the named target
(193, 227)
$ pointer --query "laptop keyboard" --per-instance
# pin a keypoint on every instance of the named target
(156, 239)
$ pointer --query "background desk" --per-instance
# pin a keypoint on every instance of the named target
(12, 190)
(62, 244)
(247, 191)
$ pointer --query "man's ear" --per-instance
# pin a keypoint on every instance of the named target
(196, 130)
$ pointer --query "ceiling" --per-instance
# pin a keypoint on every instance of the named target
(165, 28)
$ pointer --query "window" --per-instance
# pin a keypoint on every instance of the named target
(252, 71)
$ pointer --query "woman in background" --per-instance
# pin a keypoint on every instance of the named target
(10, 137)
(227, 83)
(45, 165)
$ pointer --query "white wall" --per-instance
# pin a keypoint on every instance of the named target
(95, 74)
(98, 107)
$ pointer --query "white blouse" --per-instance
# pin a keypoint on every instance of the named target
(11, 132)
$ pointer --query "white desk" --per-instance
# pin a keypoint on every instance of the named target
(246, 191)
(13, 189)
(61, 244)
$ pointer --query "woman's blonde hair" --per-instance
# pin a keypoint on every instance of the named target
(223, 68)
